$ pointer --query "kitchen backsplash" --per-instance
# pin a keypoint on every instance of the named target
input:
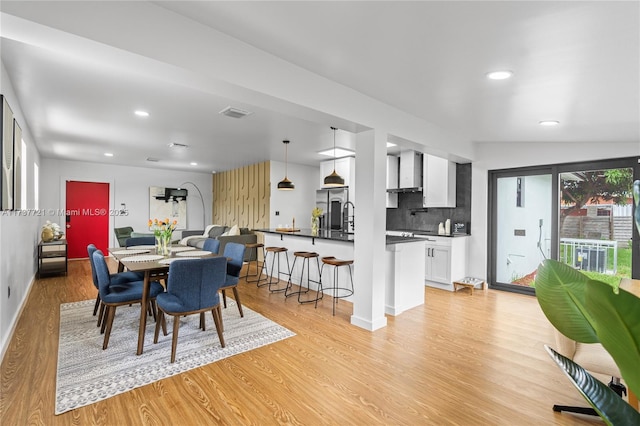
(411, 215)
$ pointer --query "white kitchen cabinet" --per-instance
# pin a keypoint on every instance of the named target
(439, 182)
(345, 167)
(437, 263)
(392, 181)
(445, 261)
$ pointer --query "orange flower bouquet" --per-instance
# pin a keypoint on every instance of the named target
(163, 230)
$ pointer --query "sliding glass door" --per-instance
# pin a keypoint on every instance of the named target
(596, 225)
(578, 213)
(522, 226)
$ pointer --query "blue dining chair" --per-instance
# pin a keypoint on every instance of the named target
(234, 252)
(140, 241)
(212, 245)
(113, 296)
(192, 288)
(121, 279)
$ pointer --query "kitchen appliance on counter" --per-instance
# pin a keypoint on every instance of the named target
(333, 201)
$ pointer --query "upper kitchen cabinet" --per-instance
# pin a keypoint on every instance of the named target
(345, 167)
(392, 181)
(439, 182)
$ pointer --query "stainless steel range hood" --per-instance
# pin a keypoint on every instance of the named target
(410, 172)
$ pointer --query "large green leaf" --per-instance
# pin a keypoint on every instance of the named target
(613, 409)
(617, 323)
(560, 290)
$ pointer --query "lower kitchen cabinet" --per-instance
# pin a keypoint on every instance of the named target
(445, 261)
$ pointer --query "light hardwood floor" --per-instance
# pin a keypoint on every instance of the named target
(457, 360)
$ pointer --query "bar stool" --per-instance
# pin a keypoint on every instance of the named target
(338, 292)
(275, 252)
(305, 256)
(252, 249)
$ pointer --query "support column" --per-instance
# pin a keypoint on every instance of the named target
(371, 222)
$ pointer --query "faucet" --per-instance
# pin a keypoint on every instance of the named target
(345, 217)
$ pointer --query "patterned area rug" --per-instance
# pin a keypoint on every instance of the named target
(87, 374)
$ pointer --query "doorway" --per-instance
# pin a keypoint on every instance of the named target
(87, 217)
(578, 213)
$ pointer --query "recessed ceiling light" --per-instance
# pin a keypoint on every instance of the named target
(141, 113)
(499, 75)
(549, 123)
(389, 144)
(340, 152)
(108, 154)
(193, 163)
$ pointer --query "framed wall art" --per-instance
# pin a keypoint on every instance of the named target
(18, 202)
(6, 157)
(168, 203)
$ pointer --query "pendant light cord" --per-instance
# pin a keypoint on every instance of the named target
(334, 149)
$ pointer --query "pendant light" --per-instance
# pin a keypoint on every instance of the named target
(285, 184)
(334, 179)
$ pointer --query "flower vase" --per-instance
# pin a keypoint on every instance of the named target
(314, 226)
(163, 245)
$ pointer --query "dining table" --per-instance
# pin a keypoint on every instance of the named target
(155, 267)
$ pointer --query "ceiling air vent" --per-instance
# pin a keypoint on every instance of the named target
(234, 112)
(177, 145)
(153, 160)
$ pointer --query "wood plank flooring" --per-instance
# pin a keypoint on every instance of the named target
(457, 360)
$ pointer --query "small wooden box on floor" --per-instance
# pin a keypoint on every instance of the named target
(470, 283)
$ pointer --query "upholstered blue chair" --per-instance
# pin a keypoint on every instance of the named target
(121, 279)
(212, 245)
(234, 252)
(140, 241)
(113, 296)
(192, 288)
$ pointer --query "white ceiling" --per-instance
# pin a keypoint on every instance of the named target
(575, 62)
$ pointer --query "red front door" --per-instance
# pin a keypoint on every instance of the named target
(87, 220)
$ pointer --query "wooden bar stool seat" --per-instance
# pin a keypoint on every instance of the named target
(252, 248)
(338, 292)
(275, 252)
(306, 257)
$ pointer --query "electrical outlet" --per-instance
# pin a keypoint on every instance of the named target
(277, 213)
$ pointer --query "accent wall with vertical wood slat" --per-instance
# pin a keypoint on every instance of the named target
(241, 196)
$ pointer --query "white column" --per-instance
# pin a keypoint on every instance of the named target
(370, 226)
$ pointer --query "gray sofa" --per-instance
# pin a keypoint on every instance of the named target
(196, 239)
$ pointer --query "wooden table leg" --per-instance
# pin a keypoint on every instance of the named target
(143, 311)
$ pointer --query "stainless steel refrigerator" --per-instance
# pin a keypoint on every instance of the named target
(332, 202)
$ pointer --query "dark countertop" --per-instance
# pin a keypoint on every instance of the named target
(324, 234)
(430, 233)
(337, 236)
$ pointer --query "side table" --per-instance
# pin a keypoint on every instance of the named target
(52, 257)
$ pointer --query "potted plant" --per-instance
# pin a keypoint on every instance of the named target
(591, 311)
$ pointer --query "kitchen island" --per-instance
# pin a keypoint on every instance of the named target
(404, 263)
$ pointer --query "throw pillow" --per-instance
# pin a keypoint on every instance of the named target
(233, 231)
(216, 231)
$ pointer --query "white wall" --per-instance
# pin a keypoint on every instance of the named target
(493, 156)
(129, 185)
(19, 233)
(297, 203)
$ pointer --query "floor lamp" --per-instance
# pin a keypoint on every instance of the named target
(204, 223)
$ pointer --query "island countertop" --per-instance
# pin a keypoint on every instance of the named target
(335, 235)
